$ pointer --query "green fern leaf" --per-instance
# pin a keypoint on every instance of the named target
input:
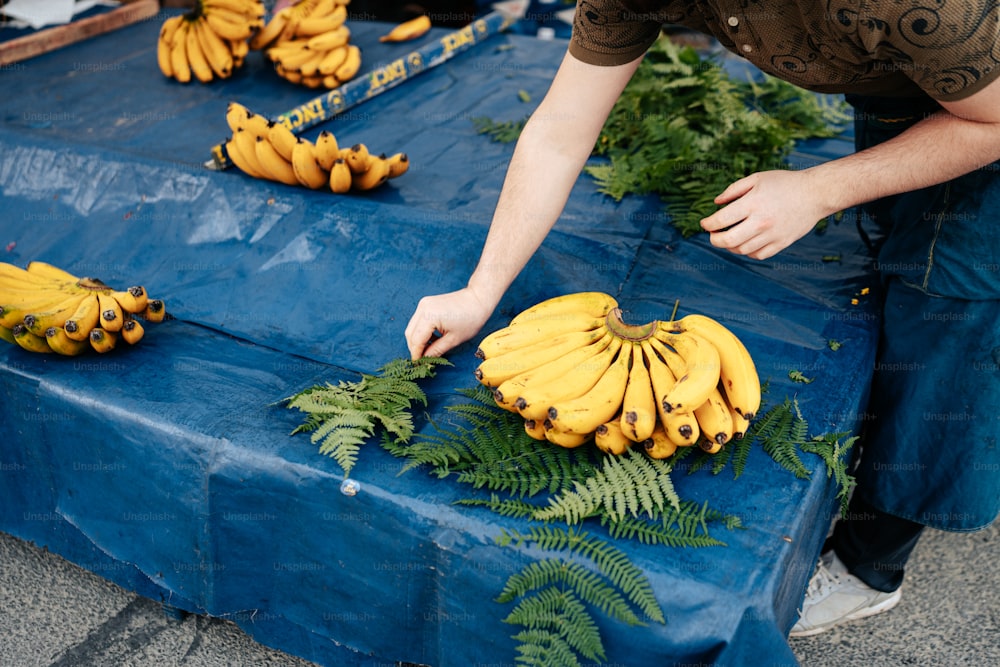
(564, 615)
(544, 648)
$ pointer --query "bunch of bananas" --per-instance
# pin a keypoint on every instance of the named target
(576, 372)
(46, 309)
(265, 149)
(210, 41)
(309, 43)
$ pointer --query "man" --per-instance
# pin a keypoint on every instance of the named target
(923, 77)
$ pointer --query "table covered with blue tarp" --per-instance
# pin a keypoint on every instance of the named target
(168, 467)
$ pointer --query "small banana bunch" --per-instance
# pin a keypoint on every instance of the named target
(265, 149)
(577, 372)
(210, 41)
(309, 43)
(46, 309)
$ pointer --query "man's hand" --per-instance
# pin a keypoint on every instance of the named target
(444, 321)
(764, 213)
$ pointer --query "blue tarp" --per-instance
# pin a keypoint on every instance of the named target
(169, 469)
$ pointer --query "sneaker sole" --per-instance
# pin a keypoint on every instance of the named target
(865, 612)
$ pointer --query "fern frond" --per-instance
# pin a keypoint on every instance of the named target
(508, 507)
(543, 648)
(836, 457)
(627, 485)
(588, 585)
(565, 615)
(609, 560)
(780, 432)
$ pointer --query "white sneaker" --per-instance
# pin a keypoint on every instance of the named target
(835, 596)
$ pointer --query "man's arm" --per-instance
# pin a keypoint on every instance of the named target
(766, 212)
(550, 153)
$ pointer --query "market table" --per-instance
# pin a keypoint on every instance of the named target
(168, 467)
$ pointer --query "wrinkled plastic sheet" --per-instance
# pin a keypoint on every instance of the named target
(168, 467)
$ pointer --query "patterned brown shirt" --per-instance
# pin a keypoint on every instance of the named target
(948, 49)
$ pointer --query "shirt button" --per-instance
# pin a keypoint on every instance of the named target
(747, 48)
(733, 21)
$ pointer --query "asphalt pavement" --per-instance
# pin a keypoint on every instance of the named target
(56, 614)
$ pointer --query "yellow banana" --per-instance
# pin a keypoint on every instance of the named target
(598, 405)
(37, 321)
(232, 29)
(659, 446)
(494, 371)
(156, 311)
(332, 61)
(376, 174)
(8, 335)
(536, 429)
(639, 412)
(740, 382)
(508, 392)
(29, 341)
(85, 318)
(326, 149)
(701, 370)
(680, 426)
(330, 38)
(195, 55)
(257, 125)
(320, 8)
(594, 304)
(715, 420)
(399, 163)
(567, 440)
(133, 299)
(274, 166)
(307, 169)
(241, 162)
(351, 65)
(60, 343)
(408, 30)
(239, 49)
(215, 49)
(179, 65)
(44, 269)
(246, 142)
(132, 331)
(283, 139)
(357, 158)
(340, 177)
(102, 341)
(740, 424)
(14, 276)
(324, 33)
(16, 313)
(236, 116)
(512, 338)
(610, 439)
(310, 70)
(291, 55)
(269, 33)
(535, 398)
(112, 316)
(238, 9)
(165, 43)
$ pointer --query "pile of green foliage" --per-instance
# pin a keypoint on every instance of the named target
(684, 128)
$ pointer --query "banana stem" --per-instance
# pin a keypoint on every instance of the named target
(630, 332)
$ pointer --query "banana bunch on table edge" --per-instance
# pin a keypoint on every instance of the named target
(577, 373)
(46, 309)
(269, 150)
